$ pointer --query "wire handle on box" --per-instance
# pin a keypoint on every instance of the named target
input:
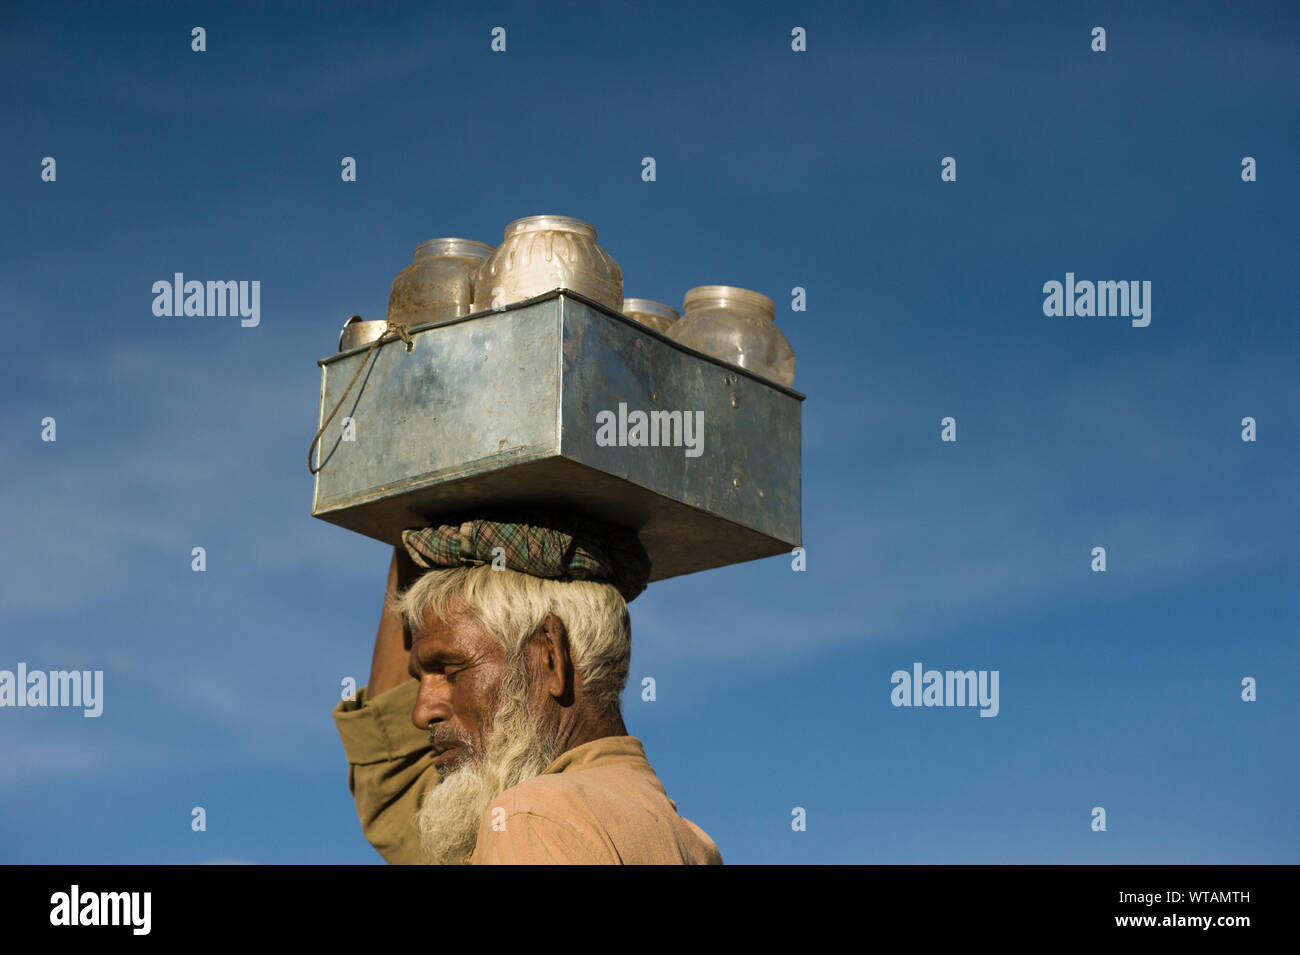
(390, 328)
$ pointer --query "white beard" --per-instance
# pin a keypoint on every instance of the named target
(518, 749)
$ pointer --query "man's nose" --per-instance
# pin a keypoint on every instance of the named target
(432, 705)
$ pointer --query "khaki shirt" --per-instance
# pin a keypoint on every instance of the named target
(390, 768)
(597, 803)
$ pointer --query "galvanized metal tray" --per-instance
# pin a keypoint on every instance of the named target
(518, 405)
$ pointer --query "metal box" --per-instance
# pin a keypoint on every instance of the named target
(513, 407)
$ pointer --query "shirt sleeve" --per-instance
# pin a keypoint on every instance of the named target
(526, 838)
(390, 768)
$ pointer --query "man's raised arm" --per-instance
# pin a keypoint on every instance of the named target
(390, 763)
(388, 666)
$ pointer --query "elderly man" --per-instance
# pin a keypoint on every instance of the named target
(498, 737)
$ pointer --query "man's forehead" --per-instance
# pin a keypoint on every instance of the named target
(456, 631)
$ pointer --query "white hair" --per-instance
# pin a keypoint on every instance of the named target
(511, 606)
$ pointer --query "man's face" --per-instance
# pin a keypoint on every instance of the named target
(485, 722)
(460, 669)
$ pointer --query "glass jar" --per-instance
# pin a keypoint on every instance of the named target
(648, 312)
(439, 283)
(737, 326)
(542, 253)
(357, 332)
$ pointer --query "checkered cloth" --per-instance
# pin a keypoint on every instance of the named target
(550, 544)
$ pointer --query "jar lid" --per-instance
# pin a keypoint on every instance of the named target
(467, 248)
(728, 294)
(550, 223)
(646, 306)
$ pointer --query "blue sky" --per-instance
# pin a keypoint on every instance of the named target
(775, 169)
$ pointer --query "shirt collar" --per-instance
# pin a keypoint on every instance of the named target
(599, 752)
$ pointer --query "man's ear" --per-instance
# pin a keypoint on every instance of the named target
(555, 666)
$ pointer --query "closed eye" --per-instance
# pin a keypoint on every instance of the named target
(435, 665)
